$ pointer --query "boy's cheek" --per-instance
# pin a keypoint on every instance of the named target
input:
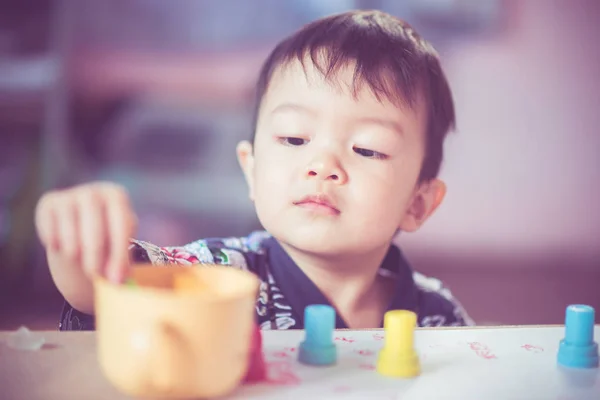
(274, 174)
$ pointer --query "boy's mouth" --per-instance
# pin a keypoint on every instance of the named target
(320, 203)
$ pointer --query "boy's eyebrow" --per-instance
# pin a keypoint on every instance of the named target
(386, 123)
(283, 107)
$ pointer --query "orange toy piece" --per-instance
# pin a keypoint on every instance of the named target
(181, 332)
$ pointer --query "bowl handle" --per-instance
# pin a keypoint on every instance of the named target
(163, 356)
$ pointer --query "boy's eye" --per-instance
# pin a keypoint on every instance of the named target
(292, 141)
(370, 153)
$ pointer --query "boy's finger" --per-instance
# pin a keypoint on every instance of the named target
(118, 218)
(66, 222)
(92, 228)
(44, 221)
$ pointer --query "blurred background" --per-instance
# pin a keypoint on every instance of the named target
(155, 94)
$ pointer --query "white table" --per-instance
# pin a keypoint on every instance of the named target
(457, 363)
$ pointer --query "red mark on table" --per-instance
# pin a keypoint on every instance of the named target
(533, 348)
(482, 350)
(342, 389)
(285, 353)
(368, 367)
(378, 336)
(364, 352)
(344, 339)
(281, 373)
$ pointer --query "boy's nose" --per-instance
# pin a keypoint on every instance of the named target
(326, 169)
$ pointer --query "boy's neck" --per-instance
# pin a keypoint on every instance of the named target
(350, 282)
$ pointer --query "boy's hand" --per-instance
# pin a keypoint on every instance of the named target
(87, 228)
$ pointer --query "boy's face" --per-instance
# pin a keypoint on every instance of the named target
(331, 173)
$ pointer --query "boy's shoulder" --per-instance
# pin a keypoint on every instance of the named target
(437, 305)
(232, 251)
(433, 301)
(241, 252)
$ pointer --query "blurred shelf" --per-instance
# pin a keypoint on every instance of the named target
(191, 192)
(30, 74)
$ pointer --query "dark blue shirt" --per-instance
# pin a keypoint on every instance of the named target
(285, 290)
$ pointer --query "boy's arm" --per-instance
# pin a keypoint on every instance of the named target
(71, 281)
(229, 252)
(78, 291)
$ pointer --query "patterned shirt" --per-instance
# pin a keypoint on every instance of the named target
(285, 290)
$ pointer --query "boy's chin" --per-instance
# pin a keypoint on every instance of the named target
(325, 245)
(315, 247)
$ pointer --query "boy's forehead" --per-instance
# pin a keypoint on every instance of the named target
(293, 78)
(308, 74)
(293, 75)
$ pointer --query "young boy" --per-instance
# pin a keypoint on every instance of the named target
(350, 120)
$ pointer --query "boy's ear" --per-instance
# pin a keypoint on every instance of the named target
(246, 159)
(425, 201)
